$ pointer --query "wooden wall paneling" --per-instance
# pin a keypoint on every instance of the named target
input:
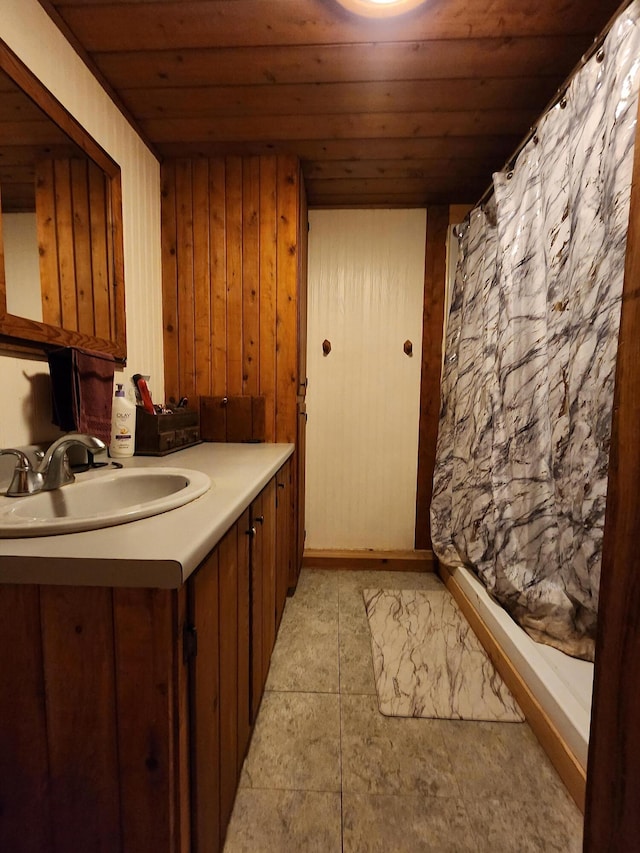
(218, 274)
(116, 259)
(99, 243)
(205, 698)
(185, 252)
(433, 318)
(64, 232)
(251, 276)
(268, 294)
(234, 167)
(229, 673)
(202, 277)
(24, 772)
(612, 820)
(48, 242)
(170, 281)
(145, 629)
(268, 576)
(287, 200)
(78, 639)
(82, 245)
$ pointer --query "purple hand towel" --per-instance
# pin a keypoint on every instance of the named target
(82, 390)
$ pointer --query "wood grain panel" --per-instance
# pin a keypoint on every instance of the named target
(216, 23)
(244, 638)
(218, 275)
(48, 243)
(256, 277)
(145, 625)
(398, 169)
(386, 125)
(400, 96)
(24, 771)
(234, 221)
(229, 677)
(284, 537)
(433, 318)
(77, 628)
(412, 60)
(346, 187)
(257, 563)
(497, 148)
(64, 236)
(82, 246)
(268, 576)
(248, 288)
(185, 269)
(251, 276)
(612, 820)
(205, 697)
(201, 278)
(170, 282)
(103, 308)
(287, 289)
(268, 279)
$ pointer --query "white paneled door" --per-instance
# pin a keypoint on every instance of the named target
(366, 280)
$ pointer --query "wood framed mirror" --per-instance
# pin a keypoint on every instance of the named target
(61, 250)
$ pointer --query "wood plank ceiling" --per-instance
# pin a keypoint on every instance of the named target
(409, 111)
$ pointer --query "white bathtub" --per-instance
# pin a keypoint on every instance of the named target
(561, 684)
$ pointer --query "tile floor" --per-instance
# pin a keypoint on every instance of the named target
(327, 772)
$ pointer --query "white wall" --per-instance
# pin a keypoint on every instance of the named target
(22, 265)
(31, 34)
(366, 282)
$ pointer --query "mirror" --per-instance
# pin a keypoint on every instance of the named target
(61, 257)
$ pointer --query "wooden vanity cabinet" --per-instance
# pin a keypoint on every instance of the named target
(233, 597)
(126, 714)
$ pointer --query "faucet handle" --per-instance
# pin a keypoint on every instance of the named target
(25, 480)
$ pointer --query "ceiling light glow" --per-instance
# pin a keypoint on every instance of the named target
(380, 8)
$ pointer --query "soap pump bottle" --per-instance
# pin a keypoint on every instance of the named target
(123, 426)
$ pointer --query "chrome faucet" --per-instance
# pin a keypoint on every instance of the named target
(25, 481)
(52, 471)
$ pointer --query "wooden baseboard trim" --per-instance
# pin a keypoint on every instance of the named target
(570, 770)
(391, 561)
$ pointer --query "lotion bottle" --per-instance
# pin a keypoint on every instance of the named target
(123, 426)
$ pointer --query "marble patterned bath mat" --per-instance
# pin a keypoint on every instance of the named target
(428, 662)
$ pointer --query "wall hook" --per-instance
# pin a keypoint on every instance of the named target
(326, 347)
(408, 348)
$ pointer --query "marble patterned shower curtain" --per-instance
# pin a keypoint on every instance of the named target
(527, 389)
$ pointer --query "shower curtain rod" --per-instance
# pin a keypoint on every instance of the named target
(559, 95)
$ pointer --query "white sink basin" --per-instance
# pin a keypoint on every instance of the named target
(100, 499)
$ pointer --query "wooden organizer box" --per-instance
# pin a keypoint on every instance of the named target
(157, 435)
(232, 418)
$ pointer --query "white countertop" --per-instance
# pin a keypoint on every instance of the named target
(161, 551)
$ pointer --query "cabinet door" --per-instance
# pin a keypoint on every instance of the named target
(284, 527)
(230, 677)
(256, 525)
(205, 701)
(268, 554)
(244, 639)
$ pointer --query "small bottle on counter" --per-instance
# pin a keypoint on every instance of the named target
(123, 426)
